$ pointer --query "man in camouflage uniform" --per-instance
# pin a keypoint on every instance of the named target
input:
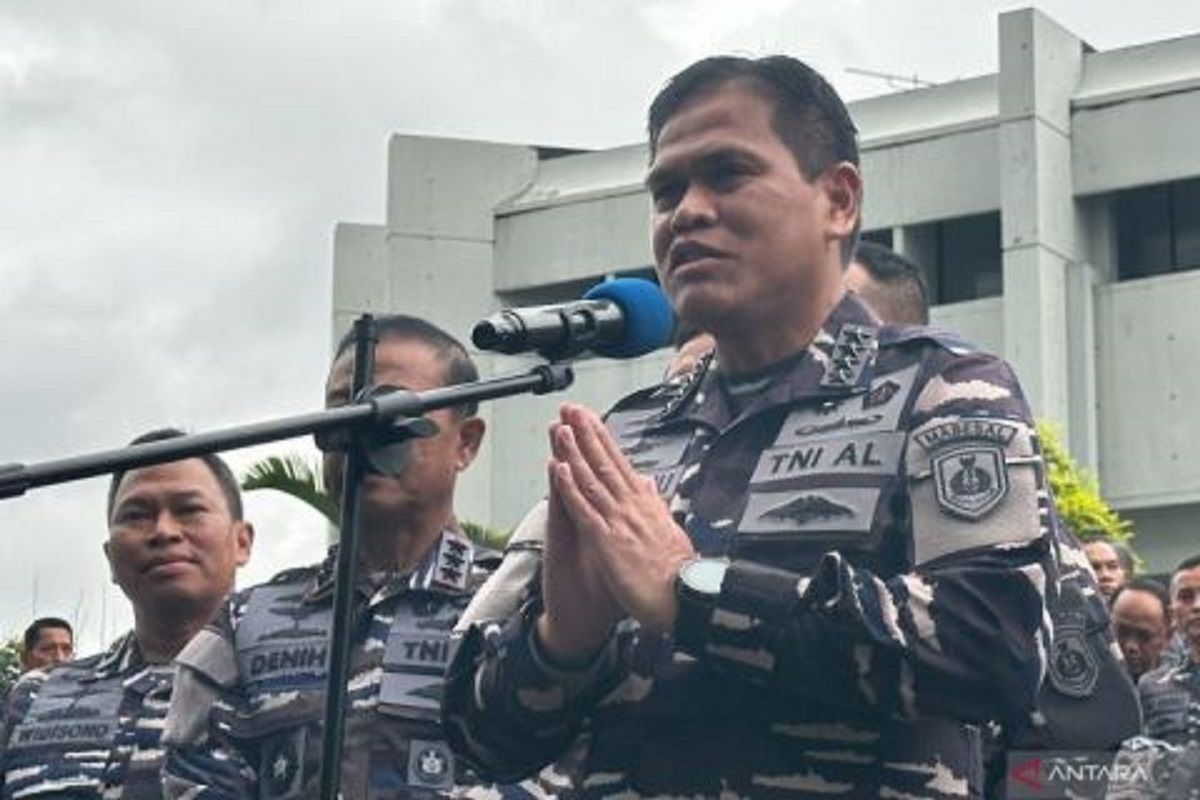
(91, 727)
(248, 712)
(1171, 694)
(1165, 761)
(814, 568)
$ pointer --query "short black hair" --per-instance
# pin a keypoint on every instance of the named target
(1149, 586)
(1191, 562)
(901, 277)
(34, 631)
(459, 368)
(220, 470)
(810, 118)
(1124, 554)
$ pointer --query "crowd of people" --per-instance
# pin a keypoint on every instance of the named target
(821, 558)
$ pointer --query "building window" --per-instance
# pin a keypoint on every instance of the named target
(1158, 229)
(961, 257)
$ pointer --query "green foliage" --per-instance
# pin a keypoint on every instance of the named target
(485, 536)
(293, 476)
(1077, 492)
(10, 663)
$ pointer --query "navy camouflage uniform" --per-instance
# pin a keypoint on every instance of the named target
(1170, 698)
(882, 500)
(88, 728)
(1165, 761)
(248, 715)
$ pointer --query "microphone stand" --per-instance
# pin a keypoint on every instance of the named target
(375, 420)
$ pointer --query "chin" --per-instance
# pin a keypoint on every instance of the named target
(701, 308)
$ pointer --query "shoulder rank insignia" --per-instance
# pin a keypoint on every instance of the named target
(680, 390)
(852, 352)
(452, 567)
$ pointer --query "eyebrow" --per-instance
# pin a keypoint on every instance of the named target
(182, 495)
(658, 175)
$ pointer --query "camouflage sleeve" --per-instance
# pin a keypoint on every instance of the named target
(202, 761)
(963, 633)
(507, 710)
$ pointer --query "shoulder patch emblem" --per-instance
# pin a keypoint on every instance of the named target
(970, 481)
(990, 430)
(430, 764)
(1073, 667)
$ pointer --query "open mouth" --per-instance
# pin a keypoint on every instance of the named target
(687, 252)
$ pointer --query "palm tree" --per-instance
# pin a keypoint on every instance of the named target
(1077, 492)
(293, 476)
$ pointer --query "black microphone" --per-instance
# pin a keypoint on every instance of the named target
(622, 318)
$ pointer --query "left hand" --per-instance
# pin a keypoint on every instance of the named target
(619, 512)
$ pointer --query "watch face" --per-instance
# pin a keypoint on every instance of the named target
(704, 575)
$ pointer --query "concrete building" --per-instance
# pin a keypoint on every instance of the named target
(1055, 206)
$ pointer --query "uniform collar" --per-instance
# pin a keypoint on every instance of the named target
(121, 658)
(839, 361)
(445, 568)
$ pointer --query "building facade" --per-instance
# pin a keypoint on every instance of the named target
(1054, 205)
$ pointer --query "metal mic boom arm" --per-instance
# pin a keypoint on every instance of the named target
(16, 479)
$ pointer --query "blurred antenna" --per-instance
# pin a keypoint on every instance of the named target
(893, 80)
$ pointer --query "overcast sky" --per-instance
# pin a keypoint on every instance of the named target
(170, 175)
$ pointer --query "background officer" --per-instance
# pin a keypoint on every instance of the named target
(90, 728)
(813, 566)
(48, 641)
(247, 718)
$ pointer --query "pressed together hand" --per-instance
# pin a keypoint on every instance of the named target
(612, 548)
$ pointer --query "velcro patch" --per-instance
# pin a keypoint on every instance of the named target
(1073, 668)
(876, 410)
(430, 764)
(281, 766)
(823, 509)
(973, 483)
(863, 454)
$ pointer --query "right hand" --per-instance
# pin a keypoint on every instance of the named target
(580, 613)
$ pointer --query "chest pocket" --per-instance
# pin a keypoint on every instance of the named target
(655, 453)
(283, 644)
(69, 735)
(830, 476)
(419, 648)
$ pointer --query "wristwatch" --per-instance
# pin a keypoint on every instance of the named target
(697, 587)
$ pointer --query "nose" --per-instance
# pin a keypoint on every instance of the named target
(166, 528)
(696, 209)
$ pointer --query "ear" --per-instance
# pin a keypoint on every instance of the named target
(470, 436)
(243, 533)
(112, 570)
(843, 187)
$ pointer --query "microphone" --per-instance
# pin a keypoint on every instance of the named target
(622, 318)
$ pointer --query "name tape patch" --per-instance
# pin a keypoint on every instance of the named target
(864, 454)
